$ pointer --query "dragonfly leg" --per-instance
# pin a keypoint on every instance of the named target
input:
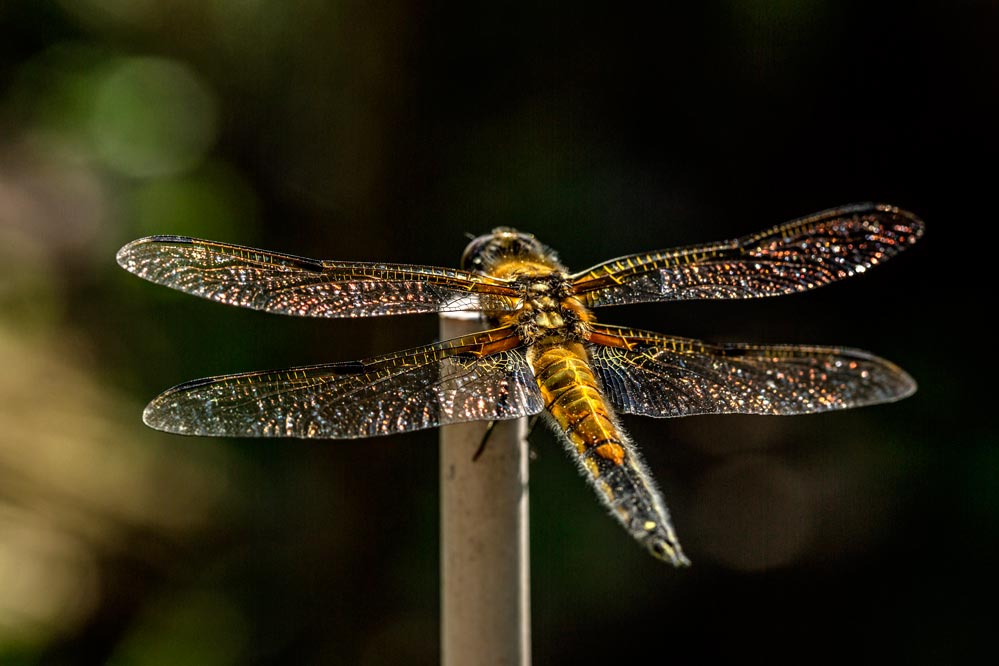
(533, 421)
(489, 429)
(485, 438)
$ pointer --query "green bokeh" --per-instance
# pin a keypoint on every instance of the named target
(152, 117)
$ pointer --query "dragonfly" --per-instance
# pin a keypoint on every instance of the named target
(543, 351)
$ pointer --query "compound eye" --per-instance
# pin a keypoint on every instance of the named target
(471, 258)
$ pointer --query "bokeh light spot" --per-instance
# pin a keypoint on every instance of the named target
(153, 117)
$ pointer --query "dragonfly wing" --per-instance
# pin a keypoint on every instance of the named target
(793, 257)
(287, 284)
(448, 382)
(656, 375)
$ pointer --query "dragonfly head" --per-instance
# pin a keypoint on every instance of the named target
(504, 244)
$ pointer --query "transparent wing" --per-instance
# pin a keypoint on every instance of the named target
(662, 376)
(483, 376)
(287, 284)
(796, 256)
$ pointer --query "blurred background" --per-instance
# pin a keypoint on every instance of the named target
(386, 132)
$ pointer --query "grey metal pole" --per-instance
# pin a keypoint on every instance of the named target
(485, 552)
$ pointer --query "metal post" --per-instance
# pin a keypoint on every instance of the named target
(485, 552)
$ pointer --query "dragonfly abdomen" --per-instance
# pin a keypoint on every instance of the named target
(589, 430)
(573, 399)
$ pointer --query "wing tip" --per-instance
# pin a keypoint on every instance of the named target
(898, 384)
(163, 412)
(127, 256)
(903, 385)
(153, 416)
(906, 224)
(907, 386)
(911, 227)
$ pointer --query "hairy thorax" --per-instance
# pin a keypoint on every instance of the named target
(549, 312)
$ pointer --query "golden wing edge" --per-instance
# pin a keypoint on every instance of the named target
(918, 227)
(493, 360)
(890, 383)
(918, 230)
(132, 248)
(309, 287)
(614, 273)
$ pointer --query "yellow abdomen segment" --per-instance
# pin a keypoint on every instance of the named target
(573, 399)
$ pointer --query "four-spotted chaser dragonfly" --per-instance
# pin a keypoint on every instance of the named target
(545, 352)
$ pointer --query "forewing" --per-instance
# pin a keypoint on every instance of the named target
(420, 388)
(793, 257)
(287, 284)
(657, 375)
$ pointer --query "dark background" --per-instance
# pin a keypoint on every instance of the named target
(387, 131)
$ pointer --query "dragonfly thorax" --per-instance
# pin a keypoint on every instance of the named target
(547, 307)
(549, 310)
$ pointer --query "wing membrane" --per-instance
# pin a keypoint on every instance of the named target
(420, 388)
(287, 284)
(796, 256)
(662, 376)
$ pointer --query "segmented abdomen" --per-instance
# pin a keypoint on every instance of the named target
(593, 437)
